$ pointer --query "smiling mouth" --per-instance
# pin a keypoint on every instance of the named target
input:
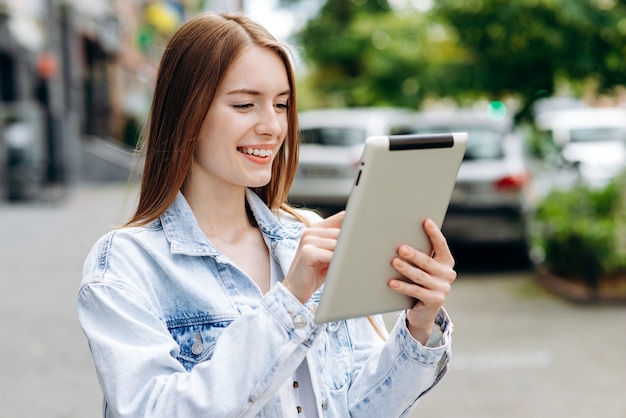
(257, 152)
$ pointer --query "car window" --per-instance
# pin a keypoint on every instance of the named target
(333, 136)
(482, 143)
(597, 134)
(401, 130)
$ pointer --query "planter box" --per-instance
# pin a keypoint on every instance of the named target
(610, 291)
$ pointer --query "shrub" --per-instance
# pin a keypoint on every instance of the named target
(581, 232)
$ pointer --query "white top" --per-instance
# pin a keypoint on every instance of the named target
(297, 393)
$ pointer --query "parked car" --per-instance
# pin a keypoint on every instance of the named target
(331, 147)
(590, 140)
(494, 189)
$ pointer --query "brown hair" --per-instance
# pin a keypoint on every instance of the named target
(194, 62)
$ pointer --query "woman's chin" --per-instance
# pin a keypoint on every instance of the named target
(259, 182)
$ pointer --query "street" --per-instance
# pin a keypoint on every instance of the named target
(517, 350)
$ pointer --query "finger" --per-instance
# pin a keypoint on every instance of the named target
(316, 256)
(333, 221)
(414, 273)
(418, 259)
(420, 268)
(439, 243)
(310, 233)
(422, 295)
(326, 243)
(420, 285)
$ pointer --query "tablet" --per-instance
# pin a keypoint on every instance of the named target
(402, 180)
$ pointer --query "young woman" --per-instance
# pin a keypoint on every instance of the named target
(202, 305)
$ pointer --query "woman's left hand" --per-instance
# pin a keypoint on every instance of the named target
(429, 280)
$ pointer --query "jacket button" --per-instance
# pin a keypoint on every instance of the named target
(325, 404)
(299, 321)
(198, 347)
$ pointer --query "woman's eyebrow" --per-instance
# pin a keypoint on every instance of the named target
(244, 91)
(251, 92)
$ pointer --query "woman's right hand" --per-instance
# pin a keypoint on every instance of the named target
(310, 264)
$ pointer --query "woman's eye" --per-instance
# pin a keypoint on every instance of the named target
(243, 106)
(282, 106)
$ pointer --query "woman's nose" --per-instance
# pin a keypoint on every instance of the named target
(270, 122)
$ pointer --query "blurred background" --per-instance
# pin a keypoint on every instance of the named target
(537, 219)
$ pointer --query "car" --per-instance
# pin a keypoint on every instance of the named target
(590, 140)
(494, 192)
(332, 142)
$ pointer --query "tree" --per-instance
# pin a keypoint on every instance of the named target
(365, 53)
(523, 48)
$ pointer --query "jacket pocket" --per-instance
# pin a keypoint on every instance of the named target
(196, 338)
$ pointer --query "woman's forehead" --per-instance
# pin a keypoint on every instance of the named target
(256, 69)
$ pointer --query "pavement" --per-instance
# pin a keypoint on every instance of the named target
(517, 350)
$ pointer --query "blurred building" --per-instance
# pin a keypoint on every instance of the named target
(78, 73)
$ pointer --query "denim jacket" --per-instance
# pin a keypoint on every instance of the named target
(177, 330)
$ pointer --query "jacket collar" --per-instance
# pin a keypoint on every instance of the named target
(185, 236)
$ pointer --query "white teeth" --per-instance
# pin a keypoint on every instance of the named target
(258, 152)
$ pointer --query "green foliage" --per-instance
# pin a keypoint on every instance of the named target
(362, 52)
(366, 56)
(523, 48)
(582, 231)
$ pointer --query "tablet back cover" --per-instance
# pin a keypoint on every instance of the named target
(402, 180)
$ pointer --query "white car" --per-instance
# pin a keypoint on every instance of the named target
(592, 140)
(494, 191)
(331, 147)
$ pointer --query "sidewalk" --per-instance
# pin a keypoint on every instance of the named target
(45, 366)
(517, 351)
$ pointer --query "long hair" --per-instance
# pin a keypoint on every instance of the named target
(194, 63)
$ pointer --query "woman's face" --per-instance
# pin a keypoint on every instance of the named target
(245, 125)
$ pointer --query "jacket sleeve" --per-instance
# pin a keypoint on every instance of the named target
(391, 379)
(135, 355)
